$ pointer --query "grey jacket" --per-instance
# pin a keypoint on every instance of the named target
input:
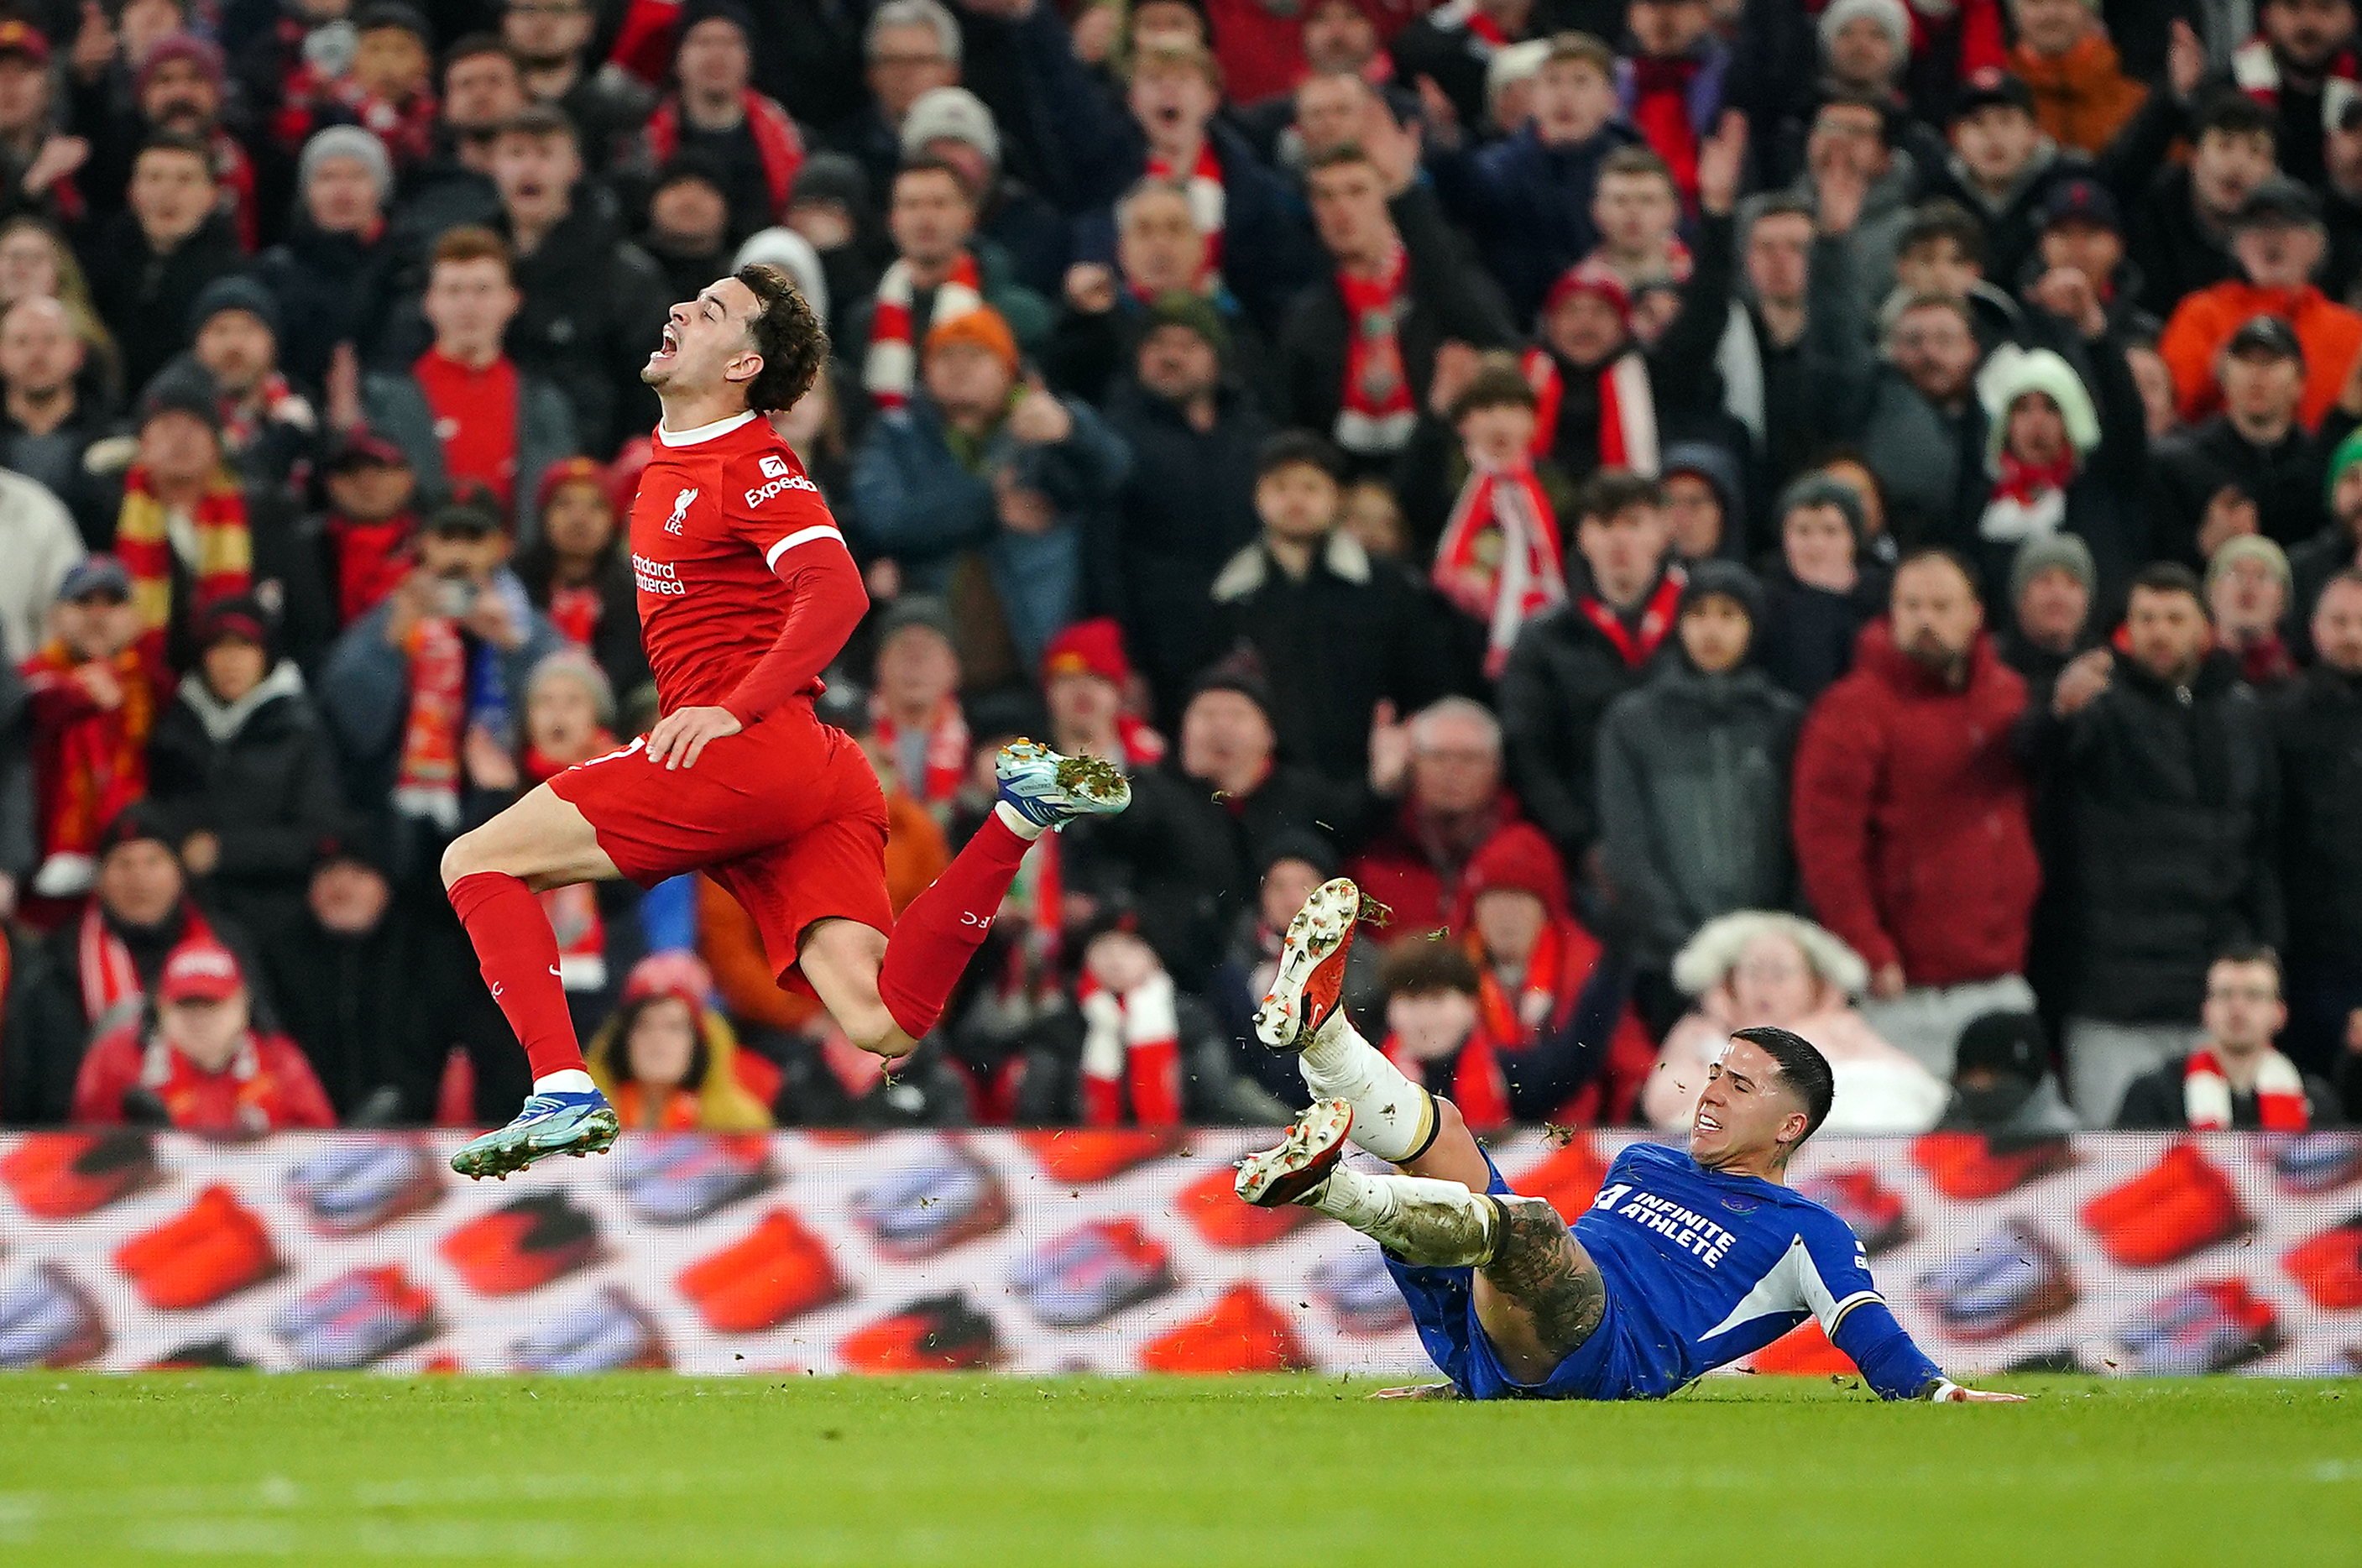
(1694, 801)
(397, 410)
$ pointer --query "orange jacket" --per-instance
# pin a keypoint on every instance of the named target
(2204, 321)
(2082, 98)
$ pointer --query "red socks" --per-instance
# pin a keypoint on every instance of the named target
(519, 955)
(944, 926)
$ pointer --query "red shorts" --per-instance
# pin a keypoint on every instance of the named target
(788, 816)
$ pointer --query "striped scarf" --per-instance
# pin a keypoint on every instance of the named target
(2279, 1094)
(100, 761)
(1208, 202)
(892, 367)
(1627, 410)
(1375, 413)
(1498, 558)
(214, 543)
(1131, 1054)
(945, 767)
(111, 991)
(426, 783)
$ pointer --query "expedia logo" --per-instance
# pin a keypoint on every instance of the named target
(775, 468)
(762, 494)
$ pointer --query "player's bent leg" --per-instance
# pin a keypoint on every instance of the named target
(1421, 1220)
(1452, 1154)
(493, 875)
(841, 959)
(1538, 1296)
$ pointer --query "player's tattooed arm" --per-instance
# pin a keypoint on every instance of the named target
(1538, 1265)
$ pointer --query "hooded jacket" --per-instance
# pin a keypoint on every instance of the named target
(1912, 815)
(721, 1104)
(2317, 724)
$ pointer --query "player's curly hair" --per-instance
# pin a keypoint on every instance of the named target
(787, 334)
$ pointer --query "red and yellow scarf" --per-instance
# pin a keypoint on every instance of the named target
(222, 546)
(101, 759)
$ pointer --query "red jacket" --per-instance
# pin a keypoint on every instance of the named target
(1420, 884)
(269, 1086)
(1911, 815)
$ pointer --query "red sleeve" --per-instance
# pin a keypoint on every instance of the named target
(297, 1100)
(112, 1067)
(1837, 763)
(828, 602)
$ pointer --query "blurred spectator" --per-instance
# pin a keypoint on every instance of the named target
(669, 1059)
(1498, 552)
(204, 1067)
(1751, 967)
(1527, 199)
(1694, 769)
(332, 277)
(1309, 601)
(1915, 412)
(465, 412)
(1786, 258)
(2180, 236)
(268, 430)
(106, 961)
(1674, 87)
(38, 159)
(1445, 765)
(38, 542)
(1570, 664)
(983, 465)
(2051, 584)
(1705, 502)
(49, 420)
(177, 87)
(152, 259)
(2001, 1085)
(1912, 816)
(484, 89)
(366, 537)
(34, 263)
(1086, 681)
(94, 686)
(1188, 505)
(1820, 593)
(914, 709)
(383, 81)
(2248, 589)
(690, 227)
(911, 47)
(1451, 45)
(1343, 61)
(423, 690)
(2317, 722)
(1859, 187)
(2251, 468)
(2165, 762)
(2278, 242)
(717, 112)
(1359, 348)
(2298, 46)
(2081, 93)
(941, 271)
(2233, 1077)
(1547, 992)
(2082, 231)
(239, 764)
(592, 302)
(552, 42)
(828, 1081)
(2061, 459)
(953, 125)
(1107, 311)
(576, 575)
(2337, 548)
(40, 1034)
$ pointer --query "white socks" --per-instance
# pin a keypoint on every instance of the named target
(1393, 1117)
(1015, 822)
(573, 1081)
(1430, 1223)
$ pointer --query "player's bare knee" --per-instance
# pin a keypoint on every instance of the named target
(1450, 1127)
(464, 856)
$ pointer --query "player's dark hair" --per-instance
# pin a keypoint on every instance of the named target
(1802, 1066)
(1608, 494)
(793, 343)
(2169, 577)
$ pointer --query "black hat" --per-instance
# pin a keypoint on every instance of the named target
(692, 164)
(2082, 201)
(1814, 490)
(240, 615)
(1989, 88)
(2278, 201)
(2266, 335)
(138, 822)
(2010, 1043)
(1241, 673)
(1729, 580)
(831, 177)
(184, 388)
(236, 292)
(394, 14)
(362, 444)
(350, 844)
(915, 610)
(1196, 312)
(463, 517)
(1297, 844)
(996, 717)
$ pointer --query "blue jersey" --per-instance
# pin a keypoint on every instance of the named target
(1701, 1269)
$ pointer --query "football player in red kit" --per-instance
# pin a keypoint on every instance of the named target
(747, 593)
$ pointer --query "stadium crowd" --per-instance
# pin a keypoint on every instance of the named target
(1717, 512)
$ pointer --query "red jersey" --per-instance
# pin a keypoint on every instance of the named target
(746, 589)
(268, 1085)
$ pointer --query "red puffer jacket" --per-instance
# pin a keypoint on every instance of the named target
(1911, 815)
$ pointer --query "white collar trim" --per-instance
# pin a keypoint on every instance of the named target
(703, 433)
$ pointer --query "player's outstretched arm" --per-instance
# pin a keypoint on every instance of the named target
(1859, 1323)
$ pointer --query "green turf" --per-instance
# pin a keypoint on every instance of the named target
(979, 1471)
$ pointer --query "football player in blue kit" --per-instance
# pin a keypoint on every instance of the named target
(1683, 1262)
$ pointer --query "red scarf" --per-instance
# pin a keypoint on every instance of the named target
(2279, 1094)
(407, 128)
(946, 754)
(1132, 1052)
(1656, 621)
(576, 613)
(1375, 412)
(2024, 482)
(891, 366)
(371, 560)
(97, 765)
(1627, 410)
(573, 910)
(1661, 112)
(1142, 747)
(427, 780)
(2258, 73)
(1208, 205)
(1480, 1089)
(275, 399)
(111, 991)
(224, 567)
(1498, 558)
(234, 173)
(777, 145)
(1465, 16)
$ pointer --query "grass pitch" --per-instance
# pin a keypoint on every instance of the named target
(977, 1472)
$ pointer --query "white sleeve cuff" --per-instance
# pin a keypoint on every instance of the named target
(801, 536)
